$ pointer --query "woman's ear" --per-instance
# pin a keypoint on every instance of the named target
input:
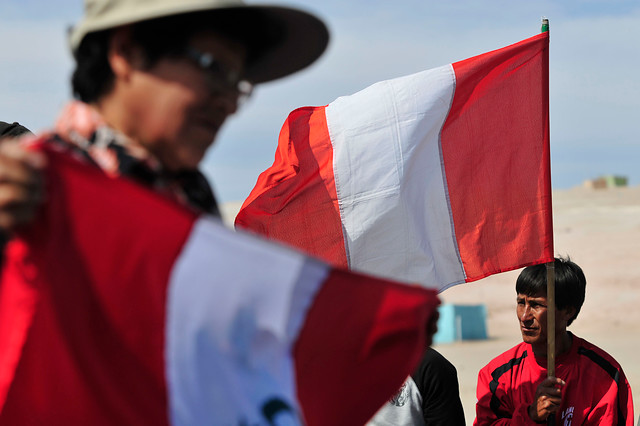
(122, 54)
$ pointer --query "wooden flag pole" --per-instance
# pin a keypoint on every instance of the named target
(551, 327)
(551, 292)
(551, 301)
(551, 319)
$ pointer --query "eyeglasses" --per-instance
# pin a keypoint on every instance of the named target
(220, 76)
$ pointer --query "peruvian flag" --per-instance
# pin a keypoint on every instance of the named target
(441, 177)
(119, 307)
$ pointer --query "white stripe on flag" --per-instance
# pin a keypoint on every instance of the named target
(390, 180)
(229, 345)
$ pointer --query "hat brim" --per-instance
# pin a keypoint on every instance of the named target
(303, 37)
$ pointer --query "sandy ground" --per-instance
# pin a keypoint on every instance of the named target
(599, 230)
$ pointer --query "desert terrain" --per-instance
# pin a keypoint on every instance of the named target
(600, 230)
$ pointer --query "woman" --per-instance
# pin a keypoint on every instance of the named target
(155, 82)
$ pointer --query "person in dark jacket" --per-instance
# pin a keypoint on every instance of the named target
(429, 397)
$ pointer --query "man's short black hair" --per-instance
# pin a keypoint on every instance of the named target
(12, 130)
(570, 284)
(166, 37)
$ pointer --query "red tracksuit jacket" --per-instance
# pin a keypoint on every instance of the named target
(596, 391)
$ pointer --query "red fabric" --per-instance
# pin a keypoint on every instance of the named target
(76, 330)
(354, 363)
(495, 147)
(299, 188)
(82, 319)
(590, 397)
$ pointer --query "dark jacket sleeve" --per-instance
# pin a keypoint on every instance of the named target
(9, 130)
(437, 380)
(12, 130)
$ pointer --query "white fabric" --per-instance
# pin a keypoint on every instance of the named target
(404, 409)
(390, 180)
(230, 330)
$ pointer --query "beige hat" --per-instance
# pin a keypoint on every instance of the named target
(305, 36)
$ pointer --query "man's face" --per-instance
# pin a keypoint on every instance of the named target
(178, 107)
(532, 316)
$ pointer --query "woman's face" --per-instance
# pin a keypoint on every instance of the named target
(177, 106)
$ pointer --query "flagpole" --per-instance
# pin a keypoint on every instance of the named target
(551, 291)
(551, 319)
(551, 327)
(545, 25)
(551, 299)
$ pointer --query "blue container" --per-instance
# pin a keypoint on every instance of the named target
(461, 322)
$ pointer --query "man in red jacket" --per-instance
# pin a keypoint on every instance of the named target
(589, 388)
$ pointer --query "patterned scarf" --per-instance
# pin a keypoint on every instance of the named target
(81, 129)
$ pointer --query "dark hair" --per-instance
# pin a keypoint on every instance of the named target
(167, 37)
(570, 284)
(12, 130)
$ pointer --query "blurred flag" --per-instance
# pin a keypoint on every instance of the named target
(441, 177)
(119, 307)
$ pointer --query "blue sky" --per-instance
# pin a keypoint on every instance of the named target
(594, 64)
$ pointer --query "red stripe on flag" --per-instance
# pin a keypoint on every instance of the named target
(495, 147)
(284, 206)
(93, 350)
(359, 334)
